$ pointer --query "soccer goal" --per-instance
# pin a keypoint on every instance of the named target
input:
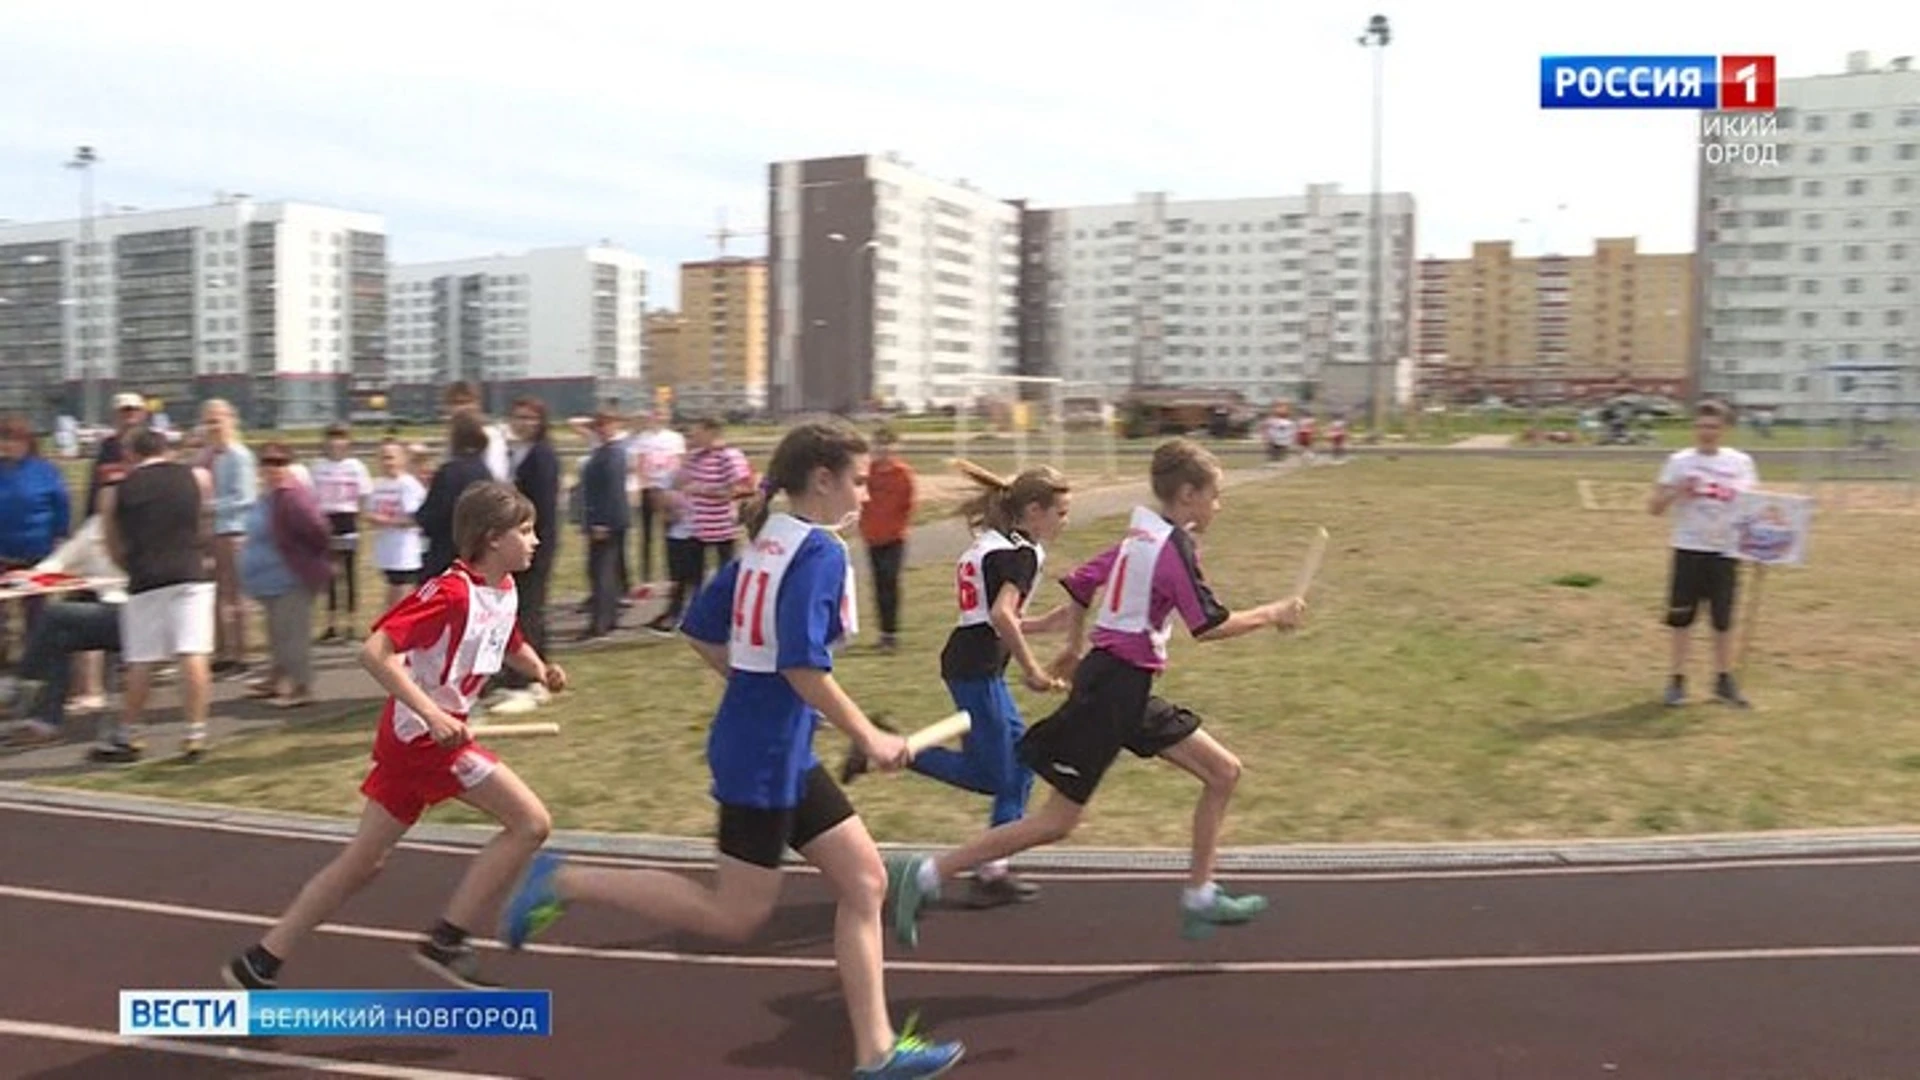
(1039, 418)
(1863, 439)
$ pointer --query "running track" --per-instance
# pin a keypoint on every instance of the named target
(1806, 967)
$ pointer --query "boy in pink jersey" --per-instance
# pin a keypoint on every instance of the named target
(432, 654)
(1149, 577)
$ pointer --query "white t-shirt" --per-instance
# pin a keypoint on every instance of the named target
(499, 461)
(1279, 431)
(656, 454)
(1703, 520)
(340, 486)
(397, 548)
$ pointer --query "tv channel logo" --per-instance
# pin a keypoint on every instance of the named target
(1744, 82)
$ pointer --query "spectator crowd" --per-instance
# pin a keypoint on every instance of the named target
(183, 542)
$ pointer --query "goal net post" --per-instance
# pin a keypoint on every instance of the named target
(1038, 418)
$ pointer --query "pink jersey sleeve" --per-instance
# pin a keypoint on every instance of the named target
(1087, 578)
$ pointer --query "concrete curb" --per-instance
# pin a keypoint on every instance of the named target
(1300, 858)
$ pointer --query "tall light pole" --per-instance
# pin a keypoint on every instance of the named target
(83, 160)
(1376, 37)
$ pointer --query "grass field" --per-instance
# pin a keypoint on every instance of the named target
(1447, 688)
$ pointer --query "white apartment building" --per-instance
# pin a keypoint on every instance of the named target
(279, 307)
(1265, 296)
(1810, 284)
(563, 324)
(886, 286)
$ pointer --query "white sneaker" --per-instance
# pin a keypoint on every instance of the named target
(515, 702)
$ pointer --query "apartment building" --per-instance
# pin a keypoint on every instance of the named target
(886, 285)
(1810, 285)
(663, 332)
(1554, 326)
(563, 324)
(279, 307)
(1269, 297)
(719, 363)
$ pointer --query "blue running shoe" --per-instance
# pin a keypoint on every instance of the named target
(913, 1057)
(534, 906)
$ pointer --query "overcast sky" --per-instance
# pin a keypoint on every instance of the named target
(477, 127)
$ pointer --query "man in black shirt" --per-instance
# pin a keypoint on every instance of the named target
(158, 526)
(109, 460)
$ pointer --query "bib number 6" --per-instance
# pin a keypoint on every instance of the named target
(968, 586)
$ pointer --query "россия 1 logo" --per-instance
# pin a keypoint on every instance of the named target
(1742, 85)
(1657, 82)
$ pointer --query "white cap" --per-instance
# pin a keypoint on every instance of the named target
(128, 401)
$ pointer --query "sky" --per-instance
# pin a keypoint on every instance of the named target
(482, 127)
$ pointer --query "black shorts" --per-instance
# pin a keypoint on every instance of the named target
(684, 561)
(1111, 708)
(1698, 576)
(761, 837)
(402, 577)
(346, 531)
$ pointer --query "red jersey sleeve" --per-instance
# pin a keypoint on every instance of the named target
(423, 616)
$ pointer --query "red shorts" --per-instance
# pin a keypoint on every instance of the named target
(407, 778)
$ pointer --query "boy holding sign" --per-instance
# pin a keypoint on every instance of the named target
(1701, 483)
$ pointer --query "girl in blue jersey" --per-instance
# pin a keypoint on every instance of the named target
(768, 622)
(1012, 521)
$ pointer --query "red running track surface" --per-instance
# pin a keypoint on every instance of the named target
(1787, 969)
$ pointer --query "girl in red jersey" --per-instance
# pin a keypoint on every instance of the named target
(433, 653)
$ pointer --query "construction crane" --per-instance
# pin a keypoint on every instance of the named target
(721, 235)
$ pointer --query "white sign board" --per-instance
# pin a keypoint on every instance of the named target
(1771, 528)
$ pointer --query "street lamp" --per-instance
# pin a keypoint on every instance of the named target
(1376, 37)
(84, 159)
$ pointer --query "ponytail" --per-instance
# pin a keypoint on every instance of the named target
(987, 509)
(760, 507)
(1002, 502)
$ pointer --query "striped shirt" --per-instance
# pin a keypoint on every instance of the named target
(715, 518)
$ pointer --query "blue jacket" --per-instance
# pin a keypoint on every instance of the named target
(35, 513)
(236, 485)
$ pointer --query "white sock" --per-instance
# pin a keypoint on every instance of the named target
(929, 877)
(1199, 899)
(994, 870)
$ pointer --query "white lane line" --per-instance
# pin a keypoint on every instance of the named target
(31, 1029)
(961, 967)
(1294, 876)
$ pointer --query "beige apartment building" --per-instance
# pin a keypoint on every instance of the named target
(713, 354)
(1560, 327)
(662, 332)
